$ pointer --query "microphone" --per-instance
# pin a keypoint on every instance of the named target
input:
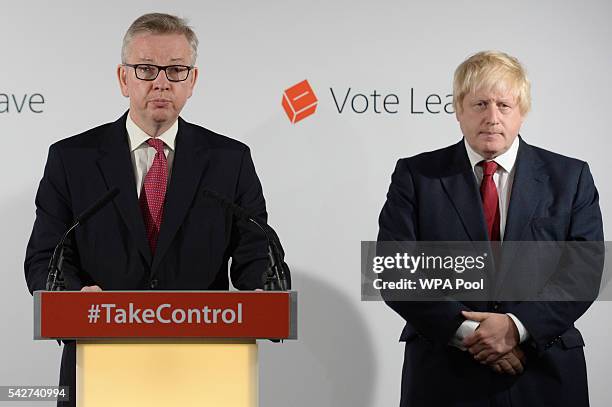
(227, 204)
(55, 279)
(96, 206)
(275, 277)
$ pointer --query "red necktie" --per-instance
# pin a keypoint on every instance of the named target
(490, 199)
(153, 193)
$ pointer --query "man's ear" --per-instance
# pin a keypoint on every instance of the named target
(193, 78)
(122, 77)
(458, 110)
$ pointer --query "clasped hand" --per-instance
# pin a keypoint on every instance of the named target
(495, 342)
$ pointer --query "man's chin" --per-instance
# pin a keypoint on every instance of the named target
(165, 116)
(492, 149)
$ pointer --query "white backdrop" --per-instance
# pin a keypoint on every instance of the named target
(324, 178)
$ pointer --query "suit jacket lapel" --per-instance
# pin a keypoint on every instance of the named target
(190, 160)
(525, 195)
(524, 199)
(116, 166)
(460, 185)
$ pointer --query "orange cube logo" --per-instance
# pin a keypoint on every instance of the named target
(299, 101)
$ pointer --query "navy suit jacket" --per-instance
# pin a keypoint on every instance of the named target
(197, 235)
(434, 197)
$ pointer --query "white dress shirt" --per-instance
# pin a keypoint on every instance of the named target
(143, 154)
(503, 178)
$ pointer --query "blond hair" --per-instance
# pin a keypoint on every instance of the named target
(158, 23)
(495, 71)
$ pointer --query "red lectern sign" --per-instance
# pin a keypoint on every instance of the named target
(164, 314)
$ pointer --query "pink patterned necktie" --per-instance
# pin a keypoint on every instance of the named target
(153, 193)
(490, 199)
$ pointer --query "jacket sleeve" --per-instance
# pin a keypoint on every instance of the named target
(248, 245)
(548, 320)
(398, 221)
(54, 215)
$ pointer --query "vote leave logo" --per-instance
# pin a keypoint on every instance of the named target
(299, 101)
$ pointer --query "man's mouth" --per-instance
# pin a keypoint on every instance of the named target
(490, 133)
(160, 102)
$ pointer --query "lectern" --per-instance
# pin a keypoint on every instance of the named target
(166, 348)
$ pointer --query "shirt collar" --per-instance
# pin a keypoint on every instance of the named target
(137, 136)
(505, 160)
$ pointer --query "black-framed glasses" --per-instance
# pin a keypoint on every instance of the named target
(149, 72)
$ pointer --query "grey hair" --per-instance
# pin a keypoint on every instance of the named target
(159, 23)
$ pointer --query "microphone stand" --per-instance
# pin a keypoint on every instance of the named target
(55, 279)
(275, 277)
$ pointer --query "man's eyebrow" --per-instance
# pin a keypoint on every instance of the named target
(171, 60)
(490, 99)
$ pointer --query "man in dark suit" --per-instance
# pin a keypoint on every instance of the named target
(492, 186)
(160, 232)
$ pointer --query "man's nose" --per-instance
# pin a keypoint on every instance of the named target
(492, 114)
(161, 82)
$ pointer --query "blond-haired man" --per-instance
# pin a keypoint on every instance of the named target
(492, 186)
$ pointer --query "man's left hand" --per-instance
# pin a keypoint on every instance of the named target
(495, 336)
(512, 363)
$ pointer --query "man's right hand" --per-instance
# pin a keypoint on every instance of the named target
(512, 363)
(91, 288)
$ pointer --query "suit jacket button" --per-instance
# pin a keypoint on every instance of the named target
(153, 283)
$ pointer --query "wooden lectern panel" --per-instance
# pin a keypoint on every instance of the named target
(151, 374)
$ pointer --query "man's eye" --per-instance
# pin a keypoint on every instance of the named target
(177, 69)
